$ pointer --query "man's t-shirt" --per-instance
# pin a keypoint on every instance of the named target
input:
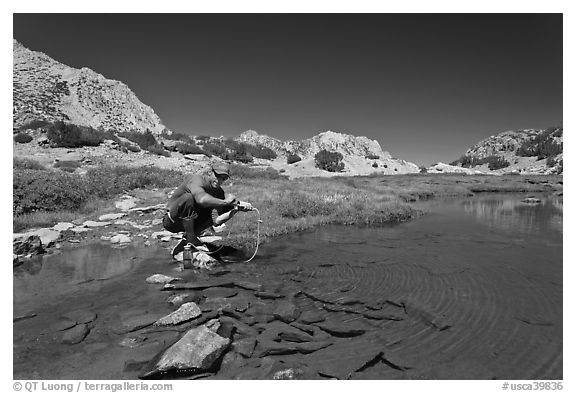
(195, 185)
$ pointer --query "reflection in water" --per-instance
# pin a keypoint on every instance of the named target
(47, 277)
(510, 213)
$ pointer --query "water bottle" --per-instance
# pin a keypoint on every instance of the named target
(187, 256)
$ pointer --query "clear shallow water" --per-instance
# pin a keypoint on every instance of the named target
(477, 283)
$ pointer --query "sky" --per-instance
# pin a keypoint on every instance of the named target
(425, 86)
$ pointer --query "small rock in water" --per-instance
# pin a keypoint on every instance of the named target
(186, 312)
(75, 335)
(531, 200)
(309, 317)
(133, 323)
(111, 216)
(177, 298)
(286, 311)
(120, 238)
(161, 279)
(132, 342)
(245, 346)
(157, 221)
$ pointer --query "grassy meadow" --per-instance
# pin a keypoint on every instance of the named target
(43, 197)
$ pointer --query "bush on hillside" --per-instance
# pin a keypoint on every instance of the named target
(189, 148)
(292, 158)
(177, 136)
(496, 162)
(22, 137)
(71, 135)
(329, 161)
(215, 149)
(542, 145)
(238, 171)
(158, 150)
(372, 157)
(142, 139)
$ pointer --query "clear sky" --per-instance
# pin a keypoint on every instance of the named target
(426, 86)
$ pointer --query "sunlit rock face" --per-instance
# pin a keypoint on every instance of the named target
(45, 89)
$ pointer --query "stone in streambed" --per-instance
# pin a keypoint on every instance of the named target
(286, 311)
(244, 346)
(95, 224)
(132, 342)
(161, 279)
(63, 324)
(120, 239)
(185, 313)
(63, 226)
(216, 292)
(197, 351)
(76, 334)
(309, 317)
(133, 323)
(343, 329)
(241, 328)
(82, 316)
(268, 348)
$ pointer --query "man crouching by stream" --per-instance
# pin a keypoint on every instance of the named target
(190, 207)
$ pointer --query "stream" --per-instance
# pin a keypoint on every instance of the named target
(475, 286)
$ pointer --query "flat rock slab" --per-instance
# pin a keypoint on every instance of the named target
(134, 323)
(251, 286)
(47, 235)
(198, 285)
(161, 279)
(132, 342)
(244, 346)
(178, 298)
(185, 312)
(75, 335)
(311, 317)
(125, 204)
(343, 329)
(278, 330)
(95, 224)
(242, 328)
(111, 216)
(120, 239)
(219, 292)
(268, 295)
(268, 347)
(148, 209)
(195, 352)
(81, 316)
(62, 226)
(345, 357)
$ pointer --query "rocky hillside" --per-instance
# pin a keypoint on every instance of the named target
(347, 145)
(529, 151)
(45, 89)
(361, 156)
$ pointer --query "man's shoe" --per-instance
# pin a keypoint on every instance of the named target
(179, 247)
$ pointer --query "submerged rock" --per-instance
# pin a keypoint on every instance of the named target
(186, 312)
(81, 316)
(197, 351)
(133, 323)
(531, 200)
(286, 311)
(76, 334)
(340, 329)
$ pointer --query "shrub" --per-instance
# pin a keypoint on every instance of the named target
(189, 148)
(374, 165)
(216, 149)
(238, 171)
(329, 161)
(496, 162)
(550, 162)
(35, 190)
(158, 150)
(372, 157)
(71, 135)
(142, 139)
(542, 145)
(202, 138)
(177, 136)
(22, 137)
(27, 163)
(241, 157)
(292, 158)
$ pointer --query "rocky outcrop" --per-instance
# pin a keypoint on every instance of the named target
(445, 168)
(44, 89)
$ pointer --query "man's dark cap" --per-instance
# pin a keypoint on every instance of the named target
(221, 168)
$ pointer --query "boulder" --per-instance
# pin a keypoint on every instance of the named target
(62, 226)
(185, 312)
(95, 224)
(197, 351)
(27, 245)
(47, 236)
(244, 346)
